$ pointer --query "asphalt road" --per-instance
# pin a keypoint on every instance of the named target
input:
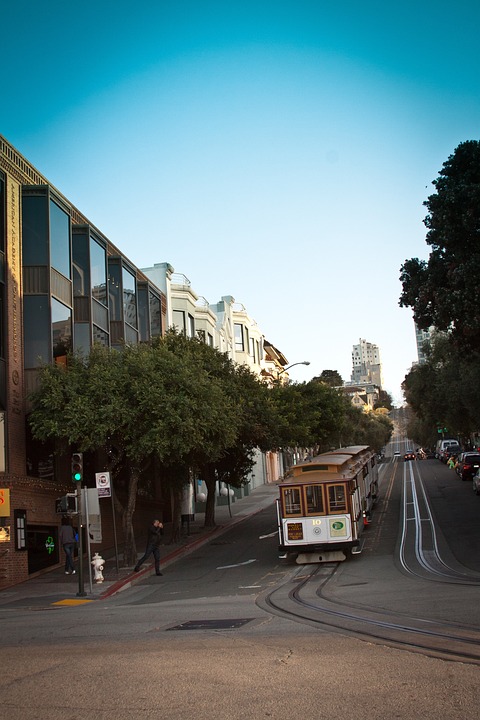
(195, 643)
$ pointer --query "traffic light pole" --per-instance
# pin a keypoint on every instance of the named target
(81, 590)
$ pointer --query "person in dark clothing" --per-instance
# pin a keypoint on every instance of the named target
(66, 537)
(155, 532)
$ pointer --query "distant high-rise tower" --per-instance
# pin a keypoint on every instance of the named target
(367, 367)
(422, 336)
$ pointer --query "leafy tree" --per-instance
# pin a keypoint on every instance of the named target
(311, 415)
(384, 401)
(146, 400)
(331, 378)
(444, 391)
(444, 292)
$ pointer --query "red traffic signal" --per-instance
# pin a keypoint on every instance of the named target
(77, 467)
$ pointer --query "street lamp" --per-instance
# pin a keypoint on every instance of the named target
(303, 362)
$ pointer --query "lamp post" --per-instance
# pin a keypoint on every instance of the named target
(303, 362)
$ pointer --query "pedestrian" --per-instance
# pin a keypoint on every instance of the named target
(66, 537)
(154, 535)
(452, 462)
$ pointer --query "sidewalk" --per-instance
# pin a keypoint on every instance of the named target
(56, 587)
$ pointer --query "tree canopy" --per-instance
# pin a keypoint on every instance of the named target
(444, 292)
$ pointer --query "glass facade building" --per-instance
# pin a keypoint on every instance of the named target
(63, 287)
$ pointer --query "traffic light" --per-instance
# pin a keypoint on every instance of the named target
(77, 467)
(66, 504)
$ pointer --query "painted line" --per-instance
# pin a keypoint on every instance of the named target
(226, 567)
(72, 602)
(262, 537)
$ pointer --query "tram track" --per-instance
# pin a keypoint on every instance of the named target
(303, 600)
(314, 595)
(419, 553)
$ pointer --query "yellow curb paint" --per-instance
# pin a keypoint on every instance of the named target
(72, 602)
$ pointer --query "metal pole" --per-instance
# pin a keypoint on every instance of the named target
(114, 527)
(228, 496)
(87, 523)
(81, 591)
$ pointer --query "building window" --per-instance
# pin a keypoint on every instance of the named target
(59, 240)
(114, 284)
(178, 318)
(143, 321)
(129, 298)
(155, 315)
(81, 279)
(98, 269)
(239, 343)
(36, 323)
(34, 230)
(191, 326)
(61, 330)
(100, 337)
(82, 338)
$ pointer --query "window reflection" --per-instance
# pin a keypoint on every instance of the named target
(155, 315)
(36, 323)
(114, 291)
(59, 239)
(100, 337)
(61, 330)
(98, 269)
(129, 298)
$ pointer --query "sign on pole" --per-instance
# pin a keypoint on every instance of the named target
(103, 484)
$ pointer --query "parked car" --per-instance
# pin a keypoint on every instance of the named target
(409, 455)
(442, 445)
(447, 453)
(476, 483)
(468, 465)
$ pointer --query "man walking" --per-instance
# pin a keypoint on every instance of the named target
(155, 532)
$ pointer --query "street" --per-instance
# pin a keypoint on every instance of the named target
(198, 642)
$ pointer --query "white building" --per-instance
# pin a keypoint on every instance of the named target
(366, 364)
(422, 337)
(227, 326)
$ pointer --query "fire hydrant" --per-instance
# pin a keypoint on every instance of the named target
(98, 563)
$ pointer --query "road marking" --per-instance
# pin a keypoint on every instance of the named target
(226, 567)
(71, 602)
(262, 537)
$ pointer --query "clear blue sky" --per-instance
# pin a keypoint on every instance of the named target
(279, 152)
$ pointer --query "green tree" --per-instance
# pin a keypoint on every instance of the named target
(444, 292)
(384, 401)
(146, 400)
(331, 378)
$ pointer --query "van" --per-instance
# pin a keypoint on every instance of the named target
(444, 444)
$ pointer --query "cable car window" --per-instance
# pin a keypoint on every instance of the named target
(336, 498)
(291, 501)
(314, 496)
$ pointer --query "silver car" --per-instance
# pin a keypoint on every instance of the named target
(476, 483)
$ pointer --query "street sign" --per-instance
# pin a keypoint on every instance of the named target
(103, 484)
